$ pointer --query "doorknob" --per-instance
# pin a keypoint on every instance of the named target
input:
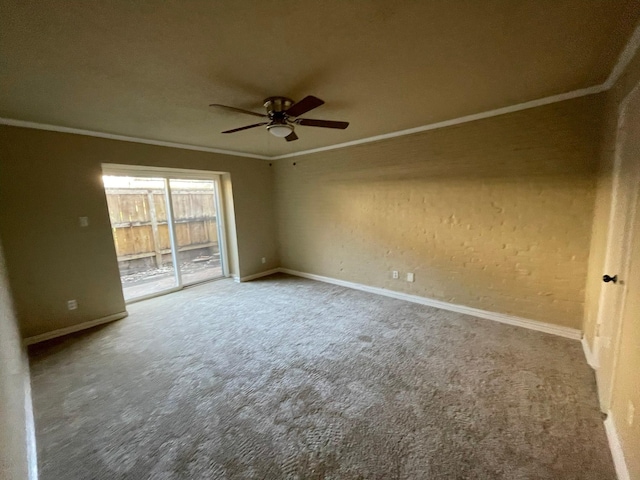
(607, 278)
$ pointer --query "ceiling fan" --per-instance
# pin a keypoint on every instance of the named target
(280, 117)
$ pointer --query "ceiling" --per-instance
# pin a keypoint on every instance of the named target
(149, 69)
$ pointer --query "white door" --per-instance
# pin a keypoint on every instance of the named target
(626, 182)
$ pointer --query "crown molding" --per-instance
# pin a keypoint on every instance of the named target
(424, 128)
(432, 126)
(111, 136)
(624, 58)
(455, 121)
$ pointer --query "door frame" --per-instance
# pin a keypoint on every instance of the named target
(623, 244)
(168, 174)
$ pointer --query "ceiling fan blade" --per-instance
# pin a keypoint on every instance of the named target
(291, 137)
(238, 110)
(309, 122)
(303, 106)
(245, 128)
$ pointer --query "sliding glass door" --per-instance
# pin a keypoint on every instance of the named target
(195, 216)
(166, 231)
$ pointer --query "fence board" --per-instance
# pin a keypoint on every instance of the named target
(131, 219)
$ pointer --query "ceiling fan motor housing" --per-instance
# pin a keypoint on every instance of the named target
(276, 108)
(275, 105)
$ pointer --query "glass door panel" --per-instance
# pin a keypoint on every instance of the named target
(195, 214)
(141, 233)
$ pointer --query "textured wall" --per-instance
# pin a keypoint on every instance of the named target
(17, 452)
(49, 179)
(494, 214)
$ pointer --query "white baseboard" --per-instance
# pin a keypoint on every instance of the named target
(616, 448)
(566, 332)
(256, 275)
(73, 328)
(588, 354)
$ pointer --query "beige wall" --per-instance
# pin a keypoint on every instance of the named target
(17, 441)
(494, 214)
(49, 179)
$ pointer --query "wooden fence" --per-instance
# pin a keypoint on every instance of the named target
(139, 222)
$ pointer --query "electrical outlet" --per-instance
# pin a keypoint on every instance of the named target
(72, 304)
(84, 221)
(410, 277)
(631, 410)
(395, 274)
(264, 260)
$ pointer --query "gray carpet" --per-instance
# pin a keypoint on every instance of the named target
(289, 378)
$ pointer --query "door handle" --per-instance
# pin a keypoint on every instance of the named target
(607, 278)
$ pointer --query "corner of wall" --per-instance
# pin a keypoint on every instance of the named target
(17, 431)
(230, 227)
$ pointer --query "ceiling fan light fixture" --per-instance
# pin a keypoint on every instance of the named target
(280, 130)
